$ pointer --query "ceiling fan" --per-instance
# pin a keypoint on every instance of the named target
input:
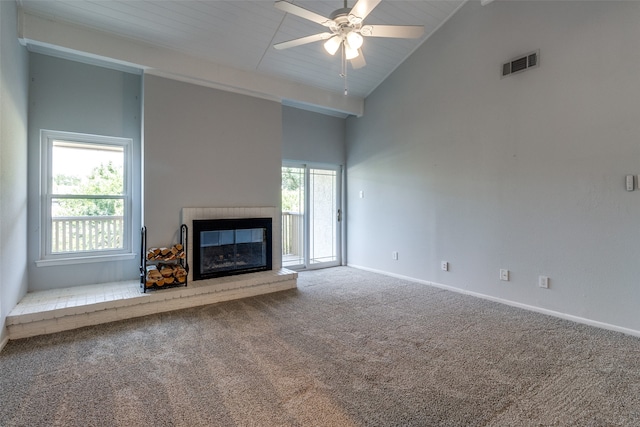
(347, 29)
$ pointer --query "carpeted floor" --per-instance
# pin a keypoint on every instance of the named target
(348, 348)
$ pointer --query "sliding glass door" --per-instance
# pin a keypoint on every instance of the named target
(311, 216)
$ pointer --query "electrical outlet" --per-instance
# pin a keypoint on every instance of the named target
(504, 274)
(444, 265)
(394, 255)
(630, 183)
(543, 282)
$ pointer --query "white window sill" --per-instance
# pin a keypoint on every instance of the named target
(85, 259)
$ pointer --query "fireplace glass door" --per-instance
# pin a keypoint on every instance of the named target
(231, 246)
(311, 223)
(226, 250)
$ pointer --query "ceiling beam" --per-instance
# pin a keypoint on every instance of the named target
(45, 34)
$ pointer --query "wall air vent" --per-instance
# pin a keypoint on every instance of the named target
(521, 63)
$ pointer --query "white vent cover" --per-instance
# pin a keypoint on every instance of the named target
(521, 63)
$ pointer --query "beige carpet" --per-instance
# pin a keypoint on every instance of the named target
(348, 348)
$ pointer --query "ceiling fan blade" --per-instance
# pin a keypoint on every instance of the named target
(358, 61)
(396, 31)
(361, 9)
(293, 9)
(302, 40)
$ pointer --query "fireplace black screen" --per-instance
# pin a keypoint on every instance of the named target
(224, 247)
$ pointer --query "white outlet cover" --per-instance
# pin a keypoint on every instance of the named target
(444, 265)
(543, 282)
(504, 275)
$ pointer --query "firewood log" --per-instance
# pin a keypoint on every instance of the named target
(153, 273)
(179, 271)
(166, 271)
(154, 276)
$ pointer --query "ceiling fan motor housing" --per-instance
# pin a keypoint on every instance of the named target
(344, 22)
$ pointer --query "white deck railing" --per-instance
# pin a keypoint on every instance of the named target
(87, 233)
(291, 233)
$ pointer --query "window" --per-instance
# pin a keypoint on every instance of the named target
(86, 198)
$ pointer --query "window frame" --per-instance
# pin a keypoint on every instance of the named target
(47, 258)
(309, 263)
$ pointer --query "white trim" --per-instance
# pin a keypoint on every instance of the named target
(46, 258)
(85, 59)
(540, 310)
(85, 259)
(343, 222)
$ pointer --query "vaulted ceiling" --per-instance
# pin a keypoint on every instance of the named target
(240, 34)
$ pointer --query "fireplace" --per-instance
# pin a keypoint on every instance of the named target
(225, 247)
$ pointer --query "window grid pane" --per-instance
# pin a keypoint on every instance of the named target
(79, 168)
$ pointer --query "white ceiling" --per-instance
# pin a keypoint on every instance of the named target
(240, 33)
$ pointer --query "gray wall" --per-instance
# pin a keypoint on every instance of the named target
(74, 97)
(206, 148)
(13, 164)
(312, 137)
(524, 173)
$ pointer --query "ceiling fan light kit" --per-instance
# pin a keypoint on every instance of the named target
(355, 40)
(332, 44)
(349, 52)
(347, 30)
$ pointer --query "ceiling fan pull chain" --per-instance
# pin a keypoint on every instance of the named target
(345, 76)
(343, 61)
(344, 68)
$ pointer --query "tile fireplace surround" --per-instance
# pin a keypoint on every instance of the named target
(56, 310)
(189, 214)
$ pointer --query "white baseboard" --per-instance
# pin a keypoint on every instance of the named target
(540, 310)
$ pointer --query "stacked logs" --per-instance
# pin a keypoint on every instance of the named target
(166, 254)
(165, 274)
(162, 274)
